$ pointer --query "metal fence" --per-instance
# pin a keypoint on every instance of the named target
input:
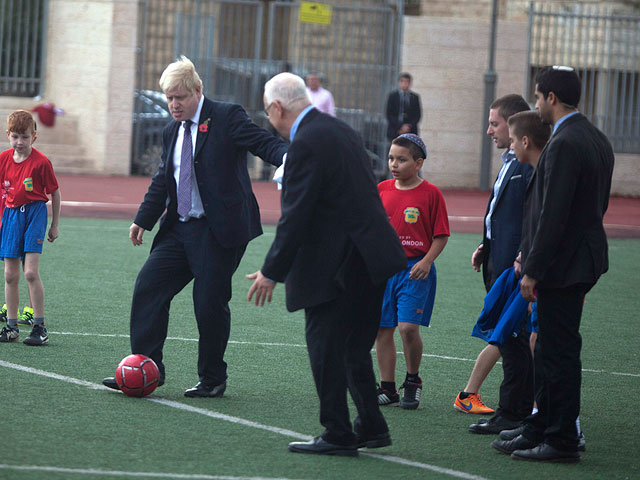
(22, 46)
(237, 45)
(603, 45)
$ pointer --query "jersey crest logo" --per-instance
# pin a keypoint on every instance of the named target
(411, 214)
(28, 184)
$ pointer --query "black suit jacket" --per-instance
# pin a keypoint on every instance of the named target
(411, 114)
(564, 242)
(506, 219)
(330, 205)
(220, 163)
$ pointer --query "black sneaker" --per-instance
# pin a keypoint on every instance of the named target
(38, 336)
(411, 396)
(9, 334)
(387, 398)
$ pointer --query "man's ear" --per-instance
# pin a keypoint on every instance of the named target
(526, 143)
(552, 99)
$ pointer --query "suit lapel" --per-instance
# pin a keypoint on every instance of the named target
(506, 179)
(204, 124)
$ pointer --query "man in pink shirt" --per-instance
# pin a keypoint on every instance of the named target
(321, 98)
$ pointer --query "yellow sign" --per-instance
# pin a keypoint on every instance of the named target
(319, 13)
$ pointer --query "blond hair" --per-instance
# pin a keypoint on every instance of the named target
(181, 72)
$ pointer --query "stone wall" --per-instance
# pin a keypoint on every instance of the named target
(90, 72)
(516, 10)
(448, 58)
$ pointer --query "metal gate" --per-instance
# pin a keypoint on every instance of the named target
(23, 32)
(237, 45)
(603, 45)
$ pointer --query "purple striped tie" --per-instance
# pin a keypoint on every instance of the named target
(184, 183)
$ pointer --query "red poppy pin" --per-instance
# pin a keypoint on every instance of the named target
(204, 127)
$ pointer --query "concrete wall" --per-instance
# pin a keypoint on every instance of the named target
(448, 58)
(90, 73)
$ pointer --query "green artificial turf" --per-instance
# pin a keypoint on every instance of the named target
(86, 432)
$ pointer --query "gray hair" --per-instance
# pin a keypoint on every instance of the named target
(288, 89)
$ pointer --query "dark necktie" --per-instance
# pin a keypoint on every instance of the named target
(184, 183)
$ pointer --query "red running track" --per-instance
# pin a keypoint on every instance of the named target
(119, 197)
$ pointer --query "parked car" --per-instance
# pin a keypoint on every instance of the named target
(151, 114)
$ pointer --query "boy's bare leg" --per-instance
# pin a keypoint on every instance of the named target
(487, 358)
(412, 345)
(386, 353)
(12, 286)
(532, 344)
(36, 290)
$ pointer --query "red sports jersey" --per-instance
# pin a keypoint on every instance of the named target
(27, 181)
(417, 215)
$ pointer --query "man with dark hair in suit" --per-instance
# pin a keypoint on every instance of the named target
(211, 214)
(496, 253)
(564, 252)
(403, 109)
(334, 250)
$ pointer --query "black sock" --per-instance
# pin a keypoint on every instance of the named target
(413, 378)
(464, 395)
(389, 386)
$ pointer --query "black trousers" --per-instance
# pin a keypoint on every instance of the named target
(489, 275)
(517, 387)
(340, 335)
(558, 367)
(188, 251)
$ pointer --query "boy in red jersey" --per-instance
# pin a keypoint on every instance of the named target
(26, 178)
(417, 212)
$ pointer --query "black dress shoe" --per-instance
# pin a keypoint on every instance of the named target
(511, 434)
(373, 441)
(111, 382)
(321, 447)
(509, 446)
(546, 453)
(202, 390)
(582, 444)
(494, 426)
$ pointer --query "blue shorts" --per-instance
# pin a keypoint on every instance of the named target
(23, 230)
(409, 301)
(532, 321)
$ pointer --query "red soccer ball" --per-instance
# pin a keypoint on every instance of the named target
(137, 375)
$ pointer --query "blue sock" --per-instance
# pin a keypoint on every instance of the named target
(13, 323)
(38, 321)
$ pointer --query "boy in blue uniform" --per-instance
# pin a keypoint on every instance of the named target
(417, 212)
(26, 178)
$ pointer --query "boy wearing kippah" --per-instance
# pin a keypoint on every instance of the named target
(26, 178)
(417, 212)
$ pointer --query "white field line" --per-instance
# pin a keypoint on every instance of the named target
(457, 218)
(120, 473)
(71, 203)
(298, 345)
(236, 420)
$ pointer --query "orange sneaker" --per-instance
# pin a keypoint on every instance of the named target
(472, 404)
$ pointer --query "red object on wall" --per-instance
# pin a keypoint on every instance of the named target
(47, 113)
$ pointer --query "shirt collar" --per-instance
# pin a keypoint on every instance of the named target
(196, 116)
(508, 156)
(296, 124)
(555, 127)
